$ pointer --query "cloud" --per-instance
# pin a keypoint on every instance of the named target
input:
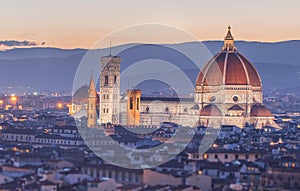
(17, 43)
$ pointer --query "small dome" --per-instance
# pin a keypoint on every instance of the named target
(258, 110)
(210, 110)
(81, 95)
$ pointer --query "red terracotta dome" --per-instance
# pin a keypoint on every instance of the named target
(258, 110)
(210, 110)
(228, 68)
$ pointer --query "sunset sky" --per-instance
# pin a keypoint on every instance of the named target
(79, 24)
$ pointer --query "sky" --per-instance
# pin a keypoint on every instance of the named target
(81, 23)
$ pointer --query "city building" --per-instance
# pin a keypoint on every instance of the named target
(228, 91)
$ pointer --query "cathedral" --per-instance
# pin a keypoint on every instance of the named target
(228, 91)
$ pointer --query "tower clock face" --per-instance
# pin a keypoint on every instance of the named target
(235, 98)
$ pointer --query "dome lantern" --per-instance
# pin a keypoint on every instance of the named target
(229, 41)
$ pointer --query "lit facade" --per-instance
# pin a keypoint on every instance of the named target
(228, 91)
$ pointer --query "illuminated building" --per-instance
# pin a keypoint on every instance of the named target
(228, 91)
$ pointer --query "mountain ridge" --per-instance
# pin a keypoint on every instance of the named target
(54, 68)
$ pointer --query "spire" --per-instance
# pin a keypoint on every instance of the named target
(92, 89)
(229, 41)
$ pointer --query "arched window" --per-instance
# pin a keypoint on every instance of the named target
(115, 79)
(106, 80)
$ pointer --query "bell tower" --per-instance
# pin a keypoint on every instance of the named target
(92, 104)
(133, 107)
(109, 90)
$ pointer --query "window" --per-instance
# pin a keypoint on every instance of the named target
(226, 156)
(216, 156)
(131, 103)
(205, 156)
(247, 157)
(106, 80)
(235, 98)
(106, 110)
(213, 98)
(115, 79)
(236, 156)
(137, 103)
(103, 110)
(167, 109)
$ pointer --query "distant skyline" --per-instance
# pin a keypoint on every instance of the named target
(79, 24)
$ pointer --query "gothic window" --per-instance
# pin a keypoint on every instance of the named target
(106, 110)
(115, 79)
(131, 103)
(137, 103)
(105, 80)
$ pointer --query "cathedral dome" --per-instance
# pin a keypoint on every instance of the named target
(210, 110)
(258, 110)
(228, 68)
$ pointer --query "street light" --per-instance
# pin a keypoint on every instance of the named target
(59, 105)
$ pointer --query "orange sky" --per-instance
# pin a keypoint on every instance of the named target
(73, 24)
